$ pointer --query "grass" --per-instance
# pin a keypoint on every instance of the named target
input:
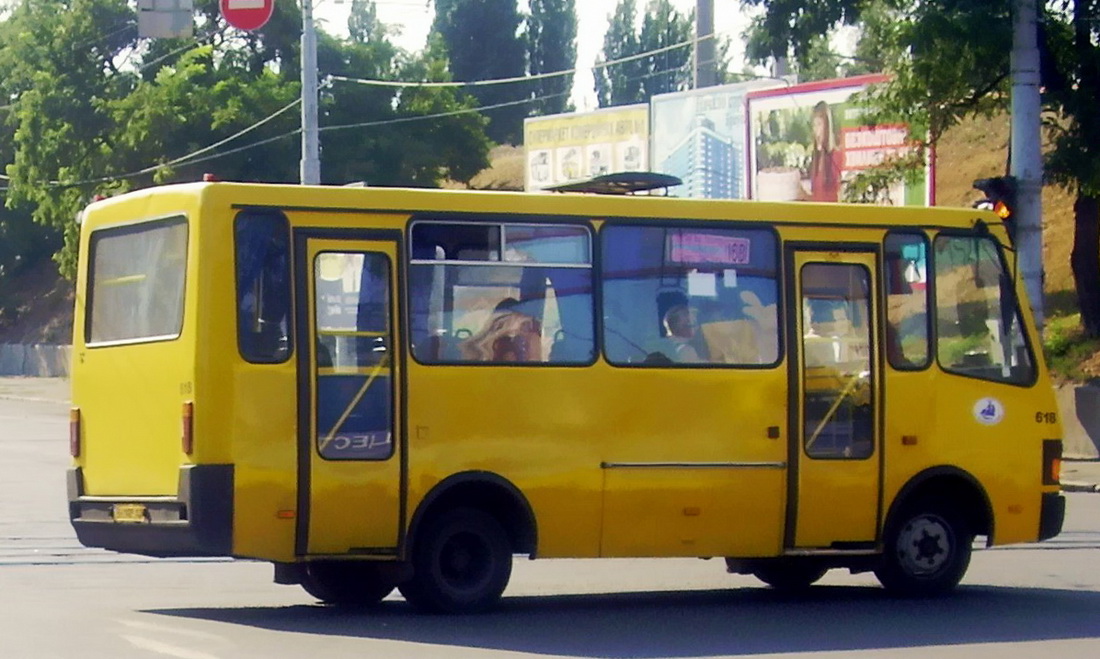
(1070, 356)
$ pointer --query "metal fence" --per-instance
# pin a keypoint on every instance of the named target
(39, 360)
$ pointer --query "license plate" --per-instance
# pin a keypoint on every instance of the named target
(131, 513)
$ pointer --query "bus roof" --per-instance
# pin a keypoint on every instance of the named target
(161, 201)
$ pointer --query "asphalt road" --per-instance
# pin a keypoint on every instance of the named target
(62, 600)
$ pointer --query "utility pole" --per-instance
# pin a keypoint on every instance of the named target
(1026, 160)
(706, 74)
(310, 172)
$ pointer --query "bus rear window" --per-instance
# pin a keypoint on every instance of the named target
(136, 283)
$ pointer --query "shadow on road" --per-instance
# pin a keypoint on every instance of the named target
(702, 623)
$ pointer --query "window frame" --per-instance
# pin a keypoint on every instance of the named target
(391, 335)
(286, 232)
(876, 376)
(689, 224)
(501, 221)
(122, 227)
(929, 296)
(1000, 248)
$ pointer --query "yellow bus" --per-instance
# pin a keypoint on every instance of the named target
(393, 388)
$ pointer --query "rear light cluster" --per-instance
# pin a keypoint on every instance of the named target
(1052, 461)
(187, 436)
(74, 432)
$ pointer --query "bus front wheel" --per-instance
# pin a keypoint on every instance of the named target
(345, 583)
(927, 551)
(462, 561)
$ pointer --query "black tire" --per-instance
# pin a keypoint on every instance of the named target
(345, 583)
(927, 551)
(462, 561)
(790, 575)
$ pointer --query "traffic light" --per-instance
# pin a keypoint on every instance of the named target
(1000, 197)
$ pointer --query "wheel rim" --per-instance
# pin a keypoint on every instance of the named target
(465, 561)
(925, 546)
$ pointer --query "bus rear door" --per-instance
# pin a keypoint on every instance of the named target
(350, 454)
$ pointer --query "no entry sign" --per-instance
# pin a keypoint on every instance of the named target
(247, 14)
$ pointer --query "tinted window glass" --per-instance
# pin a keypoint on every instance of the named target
(354, 384)
(689, 296)
(837, 378)
(501, 293)
(907, 301)
(263, 286)
(137, 282)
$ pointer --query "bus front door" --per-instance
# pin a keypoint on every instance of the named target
(835, 451)
(350, 455)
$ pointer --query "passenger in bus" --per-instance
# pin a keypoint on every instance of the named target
(509, 336)
(680, 328)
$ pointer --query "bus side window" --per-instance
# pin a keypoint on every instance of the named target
(906, 278)
(500, 293)
(690, 297)
(263, 286)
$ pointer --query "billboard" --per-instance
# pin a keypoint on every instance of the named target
(569, 147)
(807, 141)
(699, 137)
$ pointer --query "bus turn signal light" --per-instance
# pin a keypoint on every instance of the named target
(1052, 461)
(74, 432)
(188, 435)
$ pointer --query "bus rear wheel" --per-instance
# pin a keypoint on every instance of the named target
(927, 551)
(462, 561)
(345, 583)
(790, 575)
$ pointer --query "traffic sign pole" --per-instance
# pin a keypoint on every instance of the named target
(310, 170)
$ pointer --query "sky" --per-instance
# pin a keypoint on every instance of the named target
(414, 17)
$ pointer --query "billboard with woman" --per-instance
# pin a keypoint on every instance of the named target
(807, 142)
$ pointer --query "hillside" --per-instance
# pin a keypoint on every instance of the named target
(41, 302)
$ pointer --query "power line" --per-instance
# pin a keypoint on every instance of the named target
(501, 81)
(187, 159)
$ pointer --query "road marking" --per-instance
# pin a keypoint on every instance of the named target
(166, 649)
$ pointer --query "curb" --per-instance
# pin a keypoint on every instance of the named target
(1079, 486)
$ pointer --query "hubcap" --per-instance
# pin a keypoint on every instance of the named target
(465, 561)
(925, 545)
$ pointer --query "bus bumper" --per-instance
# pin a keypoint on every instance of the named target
(197, 522)
(1051, 515)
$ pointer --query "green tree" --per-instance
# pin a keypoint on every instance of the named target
(662, 28)
(620, 83)
(949, 59)
(373, 134)
(652, 67)
(551, 37)
(58, 65)
(94, 109)
(791, 27)
(483, 43)
(1071, 79)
